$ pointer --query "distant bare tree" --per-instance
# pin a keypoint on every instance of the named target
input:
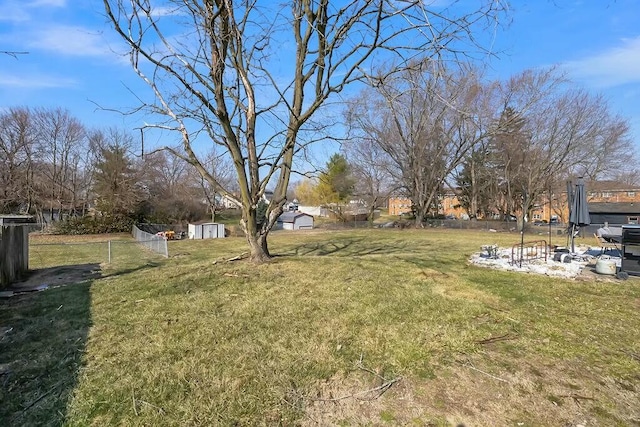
(426, 120)
(250, 75)
(17, 144)
(61, 142)
(222, 170)
(549, 130)
(371, 170)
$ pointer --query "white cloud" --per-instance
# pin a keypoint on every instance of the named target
(165, 11)
(21, 11)
(51, 3)
(616, 66)
(69, 40)
(34, 81)
(13, 12)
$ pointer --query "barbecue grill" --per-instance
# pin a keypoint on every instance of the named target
(631, 249)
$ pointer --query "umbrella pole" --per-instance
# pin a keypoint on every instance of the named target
(521, 243)
(573, 232)
(549, 219)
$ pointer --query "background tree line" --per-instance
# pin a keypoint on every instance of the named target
(54, 167)
(500, 143)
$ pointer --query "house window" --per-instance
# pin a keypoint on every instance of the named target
(537, 216)
(632, 220)
(631, 194)
(606, 194)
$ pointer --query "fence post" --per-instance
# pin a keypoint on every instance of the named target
(109, 247)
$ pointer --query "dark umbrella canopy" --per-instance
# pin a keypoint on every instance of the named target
(579, 213)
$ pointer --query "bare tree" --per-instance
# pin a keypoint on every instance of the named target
(17, 145)
(61, 141)
(426, 120)
(250, 75)
(222, 170)
(371, 168)
(549, 130)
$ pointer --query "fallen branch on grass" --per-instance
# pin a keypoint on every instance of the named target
(42, 396)
(236, 275)
(577, 397)
(490, 340)
(469, 365)
(381, 389)
(239, 257)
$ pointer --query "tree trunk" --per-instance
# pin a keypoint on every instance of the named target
(257, 237)
(421, 213)
(259, 251)
(473, 205)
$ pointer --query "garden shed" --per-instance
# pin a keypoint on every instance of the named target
(206, 230)
(295, 221)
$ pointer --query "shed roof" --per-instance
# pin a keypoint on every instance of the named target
(291, 216)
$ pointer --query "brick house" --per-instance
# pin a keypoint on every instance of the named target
(607, 193)
(448, 205)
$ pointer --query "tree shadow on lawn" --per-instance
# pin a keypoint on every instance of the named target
(350, 246)
(43, 337)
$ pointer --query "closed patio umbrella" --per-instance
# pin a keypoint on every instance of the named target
(579, 212)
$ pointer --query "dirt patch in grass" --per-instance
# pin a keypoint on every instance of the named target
(57, 276)
(476, 391)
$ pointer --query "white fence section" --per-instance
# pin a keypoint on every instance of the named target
(155, 243)
(314, 210)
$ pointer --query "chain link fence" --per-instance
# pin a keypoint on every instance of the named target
(120, 252)
(152, 242)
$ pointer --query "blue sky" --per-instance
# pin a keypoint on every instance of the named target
(74, 62)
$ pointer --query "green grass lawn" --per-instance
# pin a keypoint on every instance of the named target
(363, 327)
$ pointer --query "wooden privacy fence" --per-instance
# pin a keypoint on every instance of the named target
(14, 253)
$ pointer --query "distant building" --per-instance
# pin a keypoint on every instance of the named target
(399, 205)
(603, 197)
(206, 230)
(447, 205)
(614, 213)
(295, 221)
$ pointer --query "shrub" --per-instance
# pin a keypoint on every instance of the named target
(96, 224)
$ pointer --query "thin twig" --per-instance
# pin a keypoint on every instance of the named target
(577, 397)
(490, 340)
(162, 411)
(42, 396)
(361, 366)
(486, 373)
(133, 401)
(381, 389)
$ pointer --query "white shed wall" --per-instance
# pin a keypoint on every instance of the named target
(210, 230)
(303, 223)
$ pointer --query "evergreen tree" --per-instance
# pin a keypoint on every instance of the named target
(336, 182)
(116, 183)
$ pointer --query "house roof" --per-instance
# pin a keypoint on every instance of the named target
(291, 216)
(609, 186)
(621, 208)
